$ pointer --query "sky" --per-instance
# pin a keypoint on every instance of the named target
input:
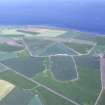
(84, 14)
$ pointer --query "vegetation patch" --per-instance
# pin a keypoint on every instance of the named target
(79, 47)
(63, 68)
(28, 66)
(17, 80)
(84, 91)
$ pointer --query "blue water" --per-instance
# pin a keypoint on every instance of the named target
(86, 15)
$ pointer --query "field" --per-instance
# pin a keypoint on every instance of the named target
(28, 66)
(57, 48)
(75, 34)
(100, 48)
(7, 55)
(84, 91)
(28, 32)
(49, 66)
(17, 80)
(63, 68)
(47, 32)
(49, 98)
(39, 47)
(10, 32)
(2, 68)
(36, 46)
(9, 48)
(35, 100)
(79, 47)
(17, 97)
(5, 88)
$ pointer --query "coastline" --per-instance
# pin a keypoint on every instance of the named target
(47, 26)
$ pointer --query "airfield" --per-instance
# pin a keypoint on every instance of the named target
(51, 66)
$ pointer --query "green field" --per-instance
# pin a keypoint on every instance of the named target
(84, 91)
(28, 32)
(9, 48)
(81, 48)
(17, 80)
(7, 55)
(49, 98)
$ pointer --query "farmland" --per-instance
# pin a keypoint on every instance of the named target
(49, 66)
(89, 80)
(7, 55)
(81, 48)
(39, 47)
(17, 80)
(5, 88)
(22, 66)
(43, 32)
(63, 68)
(21, 97)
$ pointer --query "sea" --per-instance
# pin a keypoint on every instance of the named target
(84, 15)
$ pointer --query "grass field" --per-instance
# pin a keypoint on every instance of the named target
(84, 91)
(99, 49)
(9, 48)
(7, 55)
(28, 65)
(28, 32)
(81, 48)
(63, 68)
(57, 48)
(46, 32)
(2, 68)
(48, 98)
(10, 32)
(17, 97)
(5, 88)
(17, 80)
(78, 35)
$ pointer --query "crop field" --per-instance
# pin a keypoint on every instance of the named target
(49, 98)
(88, 61)
(78, 35)
(28, 66)
(57, 48)
(28, 32)
(100, 40)
(99, 49)
(2, 68)
(45, 32)
(39, 47)
(48, 66)
(36, 46)
(35, 100)
(63, 68)
(21, 97)
(81, 48)
(17, 80)
(6, 55)
(84, 91)
(10, 44)
(9, 48)
(10, 32)
(5, 88)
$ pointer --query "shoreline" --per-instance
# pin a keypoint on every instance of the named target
(52, 27)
